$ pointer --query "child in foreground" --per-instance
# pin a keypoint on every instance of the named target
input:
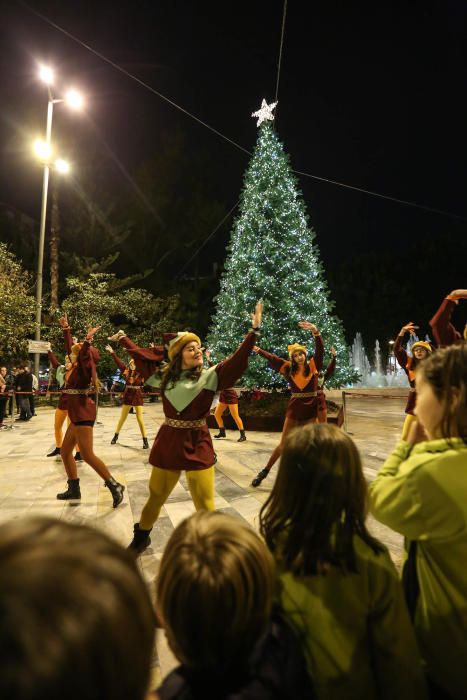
(421, 492)
(339, 587)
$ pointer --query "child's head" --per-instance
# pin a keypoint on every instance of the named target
(214, 592)
(318, 502)
(76, 619)
(442, 393)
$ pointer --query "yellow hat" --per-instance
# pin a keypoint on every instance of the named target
(178, 343)
(296, 347)
(422, 344)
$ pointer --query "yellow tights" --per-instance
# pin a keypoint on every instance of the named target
(233, 408)
(161, 485)
(124, 416)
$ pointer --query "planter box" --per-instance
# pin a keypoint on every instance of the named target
(269, 424)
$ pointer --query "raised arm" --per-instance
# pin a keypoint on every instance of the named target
(331, 366)
(231, 369)
(319, 347)
(120, 364)
(444, 332)
(63, 321)
(147, 360)
(275, 362)
(53, 359)
(399, 352)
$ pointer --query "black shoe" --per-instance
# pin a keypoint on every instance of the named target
(145, 444)
(259, 477)
(54, 452)
(220, 434)
(78, 457)
(242, 437)
(215, 457)
(116, 490)
(114, 439)
(140, 541)
(73, 491)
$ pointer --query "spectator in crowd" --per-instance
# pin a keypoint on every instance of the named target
(215, 598)
(10, 385)
(24, 383)
(338, 585)
(421, 492)
(3, 394)
(76, 621)
(35, 387)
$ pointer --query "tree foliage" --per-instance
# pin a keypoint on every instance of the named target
(16, 306)
(273, 256)
(100, 301)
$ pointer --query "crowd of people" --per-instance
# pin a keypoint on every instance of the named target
(311, 607)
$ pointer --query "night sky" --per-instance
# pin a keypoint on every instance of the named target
(374, 98)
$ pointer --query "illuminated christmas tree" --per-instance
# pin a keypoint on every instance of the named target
(272, 255)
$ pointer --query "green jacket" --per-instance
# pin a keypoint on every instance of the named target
(357, 636)
(421, 492)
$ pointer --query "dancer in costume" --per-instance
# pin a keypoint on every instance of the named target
(322, 408)
(82, 412)
(303, 381)
(61, 412)
(132, 396)
(420, 351)
(444, 332)
(183, 442)
(227, 399)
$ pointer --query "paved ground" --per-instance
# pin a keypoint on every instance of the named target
(29, 481)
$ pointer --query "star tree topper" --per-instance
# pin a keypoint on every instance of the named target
(265, 112)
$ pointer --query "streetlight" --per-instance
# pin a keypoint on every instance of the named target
(44, 151)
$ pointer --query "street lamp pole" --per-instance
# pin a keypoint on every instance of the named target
(40, 258)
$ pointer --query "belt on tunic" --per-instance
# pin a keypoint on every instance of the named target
(412, 390)
(78, 391)
(185, 423)
(131, 386)
(304, 395)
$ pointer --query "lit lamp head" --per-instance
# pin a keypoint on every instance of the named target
(42, 150)
(74, 99)
(46, 74)
(62, 166)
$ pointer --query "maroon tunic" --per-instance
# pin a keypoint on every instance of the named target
(80, 406)
(444, 332)
(132, 394)
(191, 448)
(403, 360)
(228, 396)
(300, 408)
(147, 360)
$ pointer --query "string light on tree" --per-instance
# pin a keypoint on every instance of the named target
(272, 255)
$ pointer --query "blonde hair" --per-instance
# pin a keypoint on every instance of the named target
(215, 592)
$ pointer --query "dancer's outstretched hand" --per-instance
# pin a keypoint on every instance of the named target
(63, 321)
(257, 315)
(461, 293)
(255, 348)
(207, 353)
(109, 348)
(91, 332)
(409, 327)
(333, 352)
(306, 325)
